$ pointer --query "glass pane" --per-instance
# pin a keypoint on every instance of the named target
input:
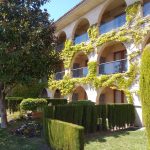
(146, 9)
(113, 24)
(113, 67)
(82, 38)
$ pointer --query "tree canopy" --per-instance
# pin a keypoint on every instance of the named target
(26, 45)
(26, 41)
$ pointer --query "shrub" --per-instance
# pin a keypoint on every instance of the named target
(144, 88)
(33, 104)
(56, 101)
(82, 102)
(102, 116)
(65, 136)
(48, 113)
(13, 103)
(120, 115)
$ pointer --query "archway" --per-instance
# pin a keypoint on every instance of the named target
(57, 94)
(79, 65)
(79, 94)
(113, 16)
(61, 41)
(80, 32)
(146, 7)
(109, 95)
(112, 59)
(44, 93)
(60, 71)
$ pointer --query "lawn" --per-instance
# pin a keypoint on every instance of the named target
(122, 140)
(12, 142)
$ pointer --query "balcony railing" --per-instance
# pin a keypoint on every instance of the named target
(79, 72)
(60, 47)
(59, 75)
(146, 9)
(118, 66)
(81, 38)
(113, 24)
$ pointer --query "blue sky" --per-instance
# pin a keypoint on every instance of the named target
(56, 8)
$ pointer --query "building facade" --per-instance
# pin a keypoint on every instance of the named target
(100, 43)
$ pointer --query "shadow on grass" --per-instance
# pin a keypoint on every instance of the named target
(102, 136)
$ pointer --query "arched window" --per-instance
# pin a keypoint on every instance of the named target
(79, 94)
(113, 59)
(60, 71)
(146, 8)
(79, 66)
(80, 34)
(109, 95)
(61, 41)
(57, 94)
(113, 17)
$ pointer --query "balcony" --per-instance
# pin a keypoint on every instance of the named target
(79, 72)
(81, 38)
(146, 9)
(113, 24)
(59, 75)
(60, 47)
(118, 66)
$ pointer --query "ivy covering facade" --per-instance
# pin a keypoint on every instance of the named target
(132, 32)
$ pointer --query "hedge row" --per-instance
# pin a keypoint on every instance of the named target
(13, 103)
(56, 101)
(97, 117)
(65, 136)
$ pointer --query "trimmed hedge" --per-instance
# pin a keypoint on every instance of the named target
(13, 103)
(99, 117)
(82, 102)
(144, 89)
(65, 136)
(120, 115)
(56, 101)
(48, 112)
(33, 104)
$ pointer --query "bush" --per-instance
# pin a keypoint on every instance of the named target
(120, 115)
(33, 104)
(65, 136)
(13, 103)
(144, 88)
(56, 101)
(82, 102)
(48, 113)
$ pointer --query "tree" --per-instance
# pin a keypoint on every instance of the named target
(145, 89)
(26, 46)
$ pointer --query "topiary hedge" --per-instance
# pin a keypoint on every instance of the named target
(65, 136)
(33, 104)
(13, 103)
(56, 101)
(94, 118)
(145, 89)
(82, 102)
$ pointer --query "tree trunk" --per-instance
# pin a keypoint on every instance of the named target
(3, 107)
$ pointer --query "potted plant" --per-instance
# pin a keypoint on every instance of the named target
(35, 105)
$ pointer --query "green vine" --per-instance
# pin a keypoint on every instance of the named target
(120, 81)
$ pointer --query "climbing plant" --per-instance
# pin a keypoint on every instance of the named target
(131, 32)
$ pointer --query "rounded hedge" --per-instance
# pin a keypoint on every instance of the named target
(32, 104)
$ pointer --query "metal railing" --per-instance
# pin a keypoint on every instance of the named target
(118, 66)
(113, 24)
(59, 75)
(79, 72)
(81, 38)
(146, 9)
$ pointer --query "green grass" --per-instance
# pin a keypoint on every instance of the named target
(12, 142)
(123, 140)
